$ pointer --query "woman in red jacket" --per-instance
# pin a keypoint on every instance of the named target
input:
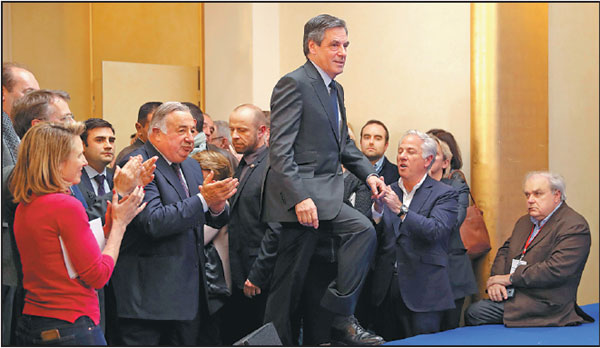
(61, 309)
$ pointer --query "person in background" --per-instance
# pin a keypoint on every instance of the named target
(536, 272)
(141, 126)
(374, 141)
(199, 135)
(16, 81)
(460, 270)
(61, 309)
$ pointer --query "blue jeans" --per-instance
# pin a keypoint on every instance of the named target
(34, 330)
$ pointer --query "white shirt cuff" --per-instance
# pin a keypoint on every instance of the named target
(375, 214)
(204, 205)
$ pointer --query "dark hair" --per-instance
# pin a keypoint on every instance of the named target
(146, 109)
(35, 105)
(448, 138)
(387, 134)
(8, 80)
(92, 123)
(315, 28)
(196, 114)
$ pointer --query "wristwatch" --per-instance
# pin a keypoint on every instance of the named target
(403, 210)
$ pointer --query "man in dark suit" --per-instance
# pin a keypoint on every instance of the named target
(244, 311)
(141, 127)
(410, 284)
(304, 184)
(99, 150)
(374, 141)
(536, 272)
(159, 281)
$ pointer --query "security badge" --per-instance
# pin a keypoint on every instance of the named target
(515, 263)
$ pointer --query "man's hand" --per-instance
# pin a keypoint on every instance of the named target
(391, 199)
(306, 212)
(503, 280)
(147, 173)
(134, 173)
(216, 193)
(377, 186)
(497, 292)
(250, 289)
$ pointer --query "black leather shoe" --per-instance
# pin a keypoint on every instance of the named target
(347, 331)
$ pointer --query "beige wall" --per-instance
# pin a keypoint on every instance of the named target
(52, 40)
(573, 118)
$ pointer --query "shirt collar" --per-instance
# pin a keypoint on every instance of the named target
(250, 158)
(91, 172)
(323, 74)
(543, 222)
(379, 164)
(401, 184)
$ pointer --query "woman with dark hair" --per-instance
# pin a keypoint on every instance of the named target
(460, 270)
(51, 227)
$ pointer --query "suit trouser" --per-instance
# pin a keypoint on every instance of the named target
(296, 247)
(397, 321)
(242, 315)
(144, 332)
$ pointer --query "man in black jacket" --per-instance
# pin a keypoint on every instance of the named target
(245, 310)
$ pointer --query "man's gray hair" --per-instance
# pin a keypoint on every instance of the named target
(159, 119)
(222, 130)
(315, 28)
(428, 147)
(557, 182)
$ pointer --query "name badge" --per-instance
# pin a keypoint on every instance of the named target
(516, 263)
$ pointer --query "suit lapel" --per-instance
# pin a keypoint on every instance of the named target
(109, 177)
(421, 195)
(251, 168)
(323, 95)
(397, 221)
(166, 170)
(85, 179)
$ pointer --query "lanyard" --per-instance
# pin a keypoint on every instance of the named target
(530, 240)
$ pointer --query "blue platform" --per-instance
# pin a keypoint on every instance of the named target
(499, 335)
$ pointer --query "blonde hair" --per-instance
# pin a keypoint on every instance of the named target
(215, 161)
(447, 155)
(43, 148)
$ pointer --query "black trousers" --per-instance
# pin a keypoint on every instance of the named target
(242, 315)
(451, 317)
(144, 332)
(296, 247)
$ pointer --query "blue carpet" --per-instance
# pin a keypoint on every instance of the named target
(499, 335)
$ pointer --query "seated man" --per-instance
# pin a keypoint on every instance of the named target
(536, 272)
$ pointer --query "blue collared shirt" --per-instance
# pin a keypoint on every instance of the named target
(537, 225)
(379, 165)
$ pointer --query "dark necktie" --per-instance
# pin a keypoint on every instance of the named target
(243, 169)
(100, 180)
(177, 169)
(334, 104)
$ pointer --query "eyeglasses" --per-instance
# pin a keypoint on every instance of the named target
(67, 118)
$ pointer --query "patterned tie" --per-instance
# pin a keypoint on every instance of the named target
(334, 104)
(100, 180)
(177, 168)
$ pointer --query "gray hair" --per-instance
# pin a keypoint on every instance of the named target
(315, 28)
(428, 147)
(222, 130)
(556, 181)
(159, 120)
(35, 105)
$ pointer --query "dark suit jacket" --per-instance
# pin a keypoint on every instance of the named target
(305, 154)
(160, 272)
(419, 247)
(460, 268)
(123, 156)
(546, 288)
(96, 205)
(246, 231)
(389, 171)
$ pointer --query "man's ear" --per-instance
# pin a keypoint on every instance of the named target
(35, 121)
(138, 127)
(4, 92)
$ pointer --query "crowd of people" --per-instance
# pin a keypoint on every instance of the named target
(201, 231)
